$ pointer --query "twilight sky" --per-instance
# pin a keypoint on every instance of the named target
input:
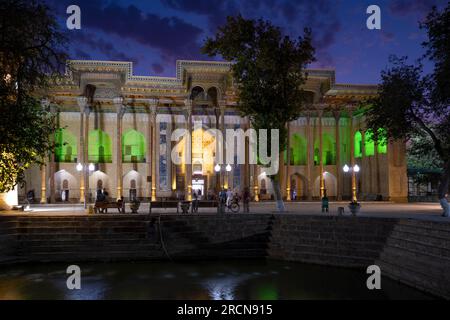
(155, 33)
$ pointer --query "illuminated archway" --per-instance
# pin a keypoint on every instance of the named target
(328, 150)
(66, 146)
(133, 146)
(358, 144)
(100, 150)
(369, 143)
(330, 184)
(299, 148)
(382, 142)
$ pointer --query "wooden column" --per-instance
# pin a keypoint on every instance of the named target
(310, 156)
(338, 154)
(44, 183)
(120, 109)
(82, 102)
(377, 167)
(288, 164)
(322, 178)
(87, 111)
(218, 152)
(188, 150)
(247, 156)
(223, 173)
(152, 146)
(352, 156)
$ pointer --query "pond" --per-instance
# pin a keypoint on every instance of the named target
(229, 280)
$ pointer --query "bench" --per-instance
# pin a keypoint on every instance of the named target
(163, 205)
(102, 206)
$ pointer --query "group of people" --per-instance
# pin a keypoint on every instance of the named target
(227, 197)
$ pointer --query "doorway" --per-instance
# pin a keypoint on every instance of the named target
(198, 185)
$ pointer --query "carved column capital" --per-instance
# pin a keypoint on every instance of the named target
(337, 114)
(82, 103)
(120, 107)
(45, 102)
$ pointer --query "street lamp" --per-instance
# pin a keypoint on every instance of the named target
(87, 169)
(354, 170)
(228, 170)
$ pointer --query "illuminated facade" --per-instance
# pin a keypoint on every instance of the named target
(122, 124)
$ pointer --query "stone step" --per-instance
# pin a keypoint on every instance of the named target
(415, 279)
(71, 242)
(443, 232)
(83, 224)
(62, 230)
(434, 240)
(422, 255)
(96, 256)
(84, 236)
(322, 259)
(336, 236)
(374, 246)
(86, 248)
(416, 261)
(419, 246)
(434, 225)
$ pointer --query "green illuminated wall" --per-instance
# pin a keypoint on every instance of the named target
(328, 150)
(358, 144)
(133, 146)
(299, 150)
(369, 143)
(66, 149)
(382, 143)
(99, 147)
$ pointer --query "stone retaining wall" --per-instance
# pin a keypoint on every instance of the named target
(413, 252)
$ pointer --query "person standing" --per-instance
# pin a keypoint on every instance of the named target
(195, 202)
(444, 204)
(229, 198)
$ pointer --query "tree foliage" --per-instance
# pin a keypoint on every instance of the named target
(268, 68)
(31, 55)
(413, 106)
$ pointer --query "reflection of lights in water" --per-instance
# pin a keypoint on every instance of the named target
(92, 288)
(223, 288)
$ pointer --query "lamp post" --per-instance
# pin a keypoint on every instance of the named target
(87, 169)
(217, 170)
(228, 170)
(354, 170)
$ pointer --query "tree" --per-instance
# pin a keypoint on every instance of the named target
(411, 105)
(269, 70)
(31, 56)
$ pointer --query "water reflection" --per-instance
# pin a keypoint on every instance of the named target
(228, 280)
(224, 287)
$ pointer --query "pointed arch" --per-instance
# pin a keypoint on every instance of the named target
(133, 146)
(369, 143)
(328, 150)
(66, 148)
(99, 145)
(299, 150)
(358, 144)
(330, 183)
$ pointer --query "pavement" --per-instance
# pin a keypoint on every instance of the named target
(421, 211)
